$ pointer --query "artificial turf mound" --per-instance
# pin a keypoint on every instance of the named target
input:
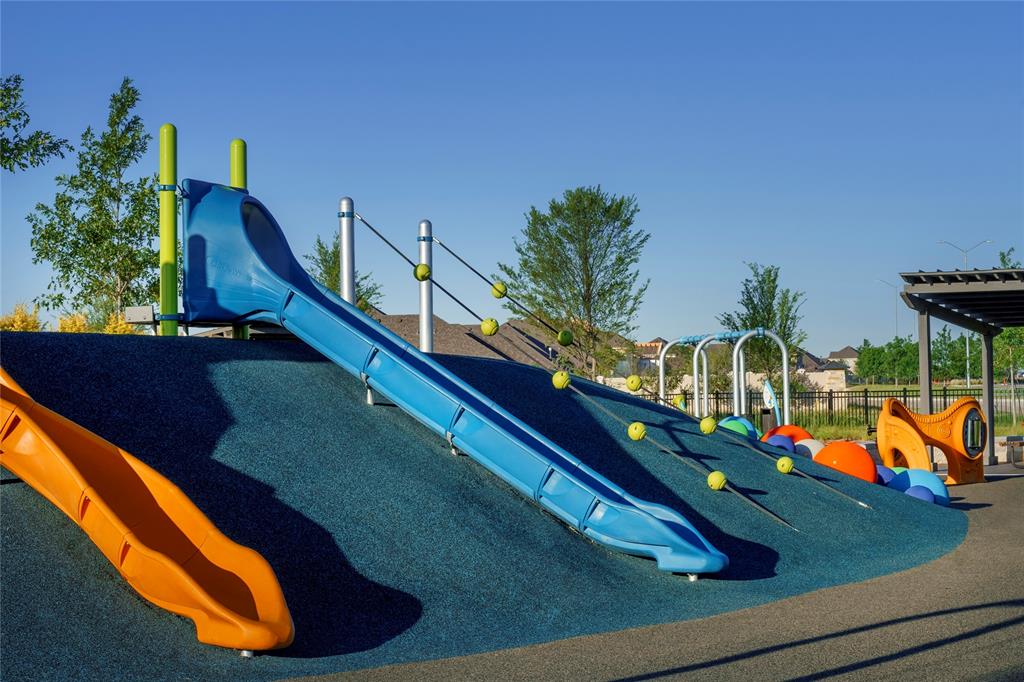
(388, 548)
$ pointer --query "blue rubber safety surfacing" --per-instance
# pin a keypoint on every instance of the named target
(388, 548)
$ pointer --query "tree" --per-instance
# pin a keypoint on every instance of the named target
(325, 267)
(99, 235)
(576, 269)
(18, 150)
(21, 320)
(75, 323)
(1006, 259)
(765, 304)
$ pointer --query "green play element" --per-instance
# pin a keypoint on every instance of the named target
(679, 402)
(565, 338)
(637, 431)
(560, 379)
(736, 427)
(708, 425)
(421, 272)
(784, 465)
(499, 290)
(168, 228)
(239, 178)
(633, 382)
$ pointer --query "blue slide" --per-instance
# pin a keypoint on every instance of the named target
(239, 269)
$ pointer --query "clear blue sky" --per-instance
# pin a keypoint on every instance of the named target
(838, 141)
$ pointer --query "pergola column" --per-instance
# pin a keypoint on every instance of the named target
(924, 367)
(988, 405)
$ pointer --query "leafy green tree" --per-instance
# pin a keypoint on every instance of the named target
(764, 303)
(325, 267)
(1006, 259)
(99, 235)
(576, 269)
(20, 150)
(871, 362)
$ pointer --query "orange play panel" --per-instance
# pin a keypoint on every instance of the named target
(159, 541)
(959, 431)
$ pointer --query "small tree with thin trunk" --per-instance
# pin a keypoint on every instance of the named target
(99, 234)
(764, 303)
(577, 269)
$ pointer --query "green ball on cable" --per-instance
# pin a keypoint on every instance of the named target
(421, 272)
(784, 465)
(708, 425)
(633, 383)
(637, 431)
(679, 402)
(499, 290)
(565, 338)
(489, 327)
(560, 379)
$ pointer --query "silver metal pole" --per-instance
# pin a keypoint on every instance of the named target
(661, 368)
(738, 348)
(426, 242)
(743, 383)
(698, 351)
(346, 227)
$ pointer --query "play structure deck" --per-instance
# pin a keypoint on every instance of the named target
(387, 548)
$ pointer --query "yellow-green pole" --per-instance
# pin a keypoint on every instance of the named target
(239, 179)
(168, 228)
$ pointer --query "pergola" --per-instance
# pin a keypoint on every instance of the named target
(982, 301)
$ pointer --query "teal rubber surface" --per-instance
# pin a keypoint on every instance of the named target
(277, 446)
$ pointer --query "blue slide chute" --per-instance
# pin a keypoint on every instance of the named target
(239, 269)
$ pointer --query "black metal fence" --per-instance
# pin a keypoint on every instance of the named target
(859, 407)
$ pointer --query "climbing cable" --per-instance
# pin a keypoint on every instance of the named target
(490, 283)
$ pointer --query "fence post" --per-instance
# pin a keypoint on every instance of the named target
(830, 405)
(867, 419)
(945, 397)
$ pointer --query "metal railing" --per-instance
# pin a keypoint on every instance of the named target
(858, 407)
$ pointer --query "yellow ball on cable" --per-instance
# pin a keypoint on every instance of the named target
(633, 382)
(421, 272)
(784, 465)
(565, 338)
(717, 480)
(679, 402)
(637, 431)
(560, 379)
(489, 327)
(708, 425)
(499, 290)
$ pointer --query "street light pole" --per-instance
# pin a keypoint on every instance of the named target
(896, 329)
(967, 337)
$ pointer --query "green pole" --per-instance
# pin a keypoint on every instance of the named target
(168, 228)
(239, 179)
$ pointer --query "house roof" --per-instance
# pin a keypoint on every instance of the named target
(833, 364)
(844, 353)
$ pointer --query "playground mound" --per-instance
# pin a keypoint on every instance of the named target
(388, 548)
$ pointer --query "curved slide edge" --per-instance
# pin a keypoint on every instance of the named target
(152, 533)
(239, 268)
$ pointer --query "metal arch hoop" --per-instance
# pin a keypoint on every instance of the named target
(696, 382)
(739, 381)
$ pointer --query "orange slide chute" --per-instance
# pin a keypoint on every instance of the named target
(159, 541)
(959, 431)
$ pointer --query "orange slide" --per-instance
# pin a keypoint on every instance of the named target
(160, 542)
(959, 431)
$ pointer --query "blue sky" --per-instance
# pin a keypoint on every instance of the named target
(839, 141)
